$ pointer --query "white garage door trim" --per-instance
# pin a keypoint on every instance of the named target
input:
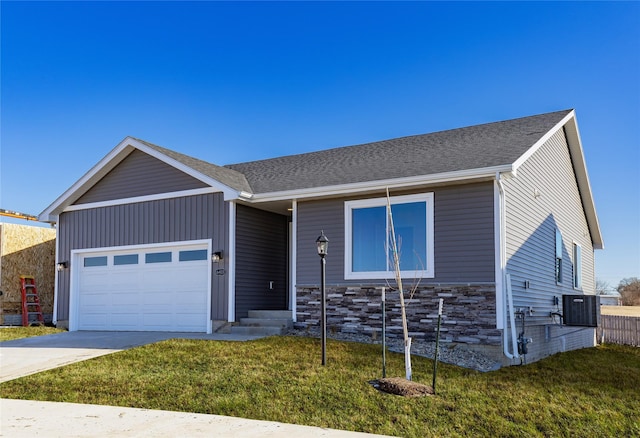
(77, 257)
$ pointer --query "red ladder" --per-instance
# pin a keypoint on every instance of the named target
(30, 301)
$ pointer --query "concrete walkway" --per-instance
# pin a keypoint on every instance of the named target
(25, 418)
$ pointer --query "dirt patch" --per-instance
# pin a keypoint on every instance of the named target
(403, 387)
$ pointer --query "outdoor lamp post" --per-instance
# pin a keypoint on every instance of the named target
(323, 243)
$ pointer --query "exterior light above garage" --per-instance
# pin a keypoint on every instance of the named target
(216, 257)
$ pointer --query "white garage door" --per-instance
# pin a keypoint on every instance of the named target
(155, 288)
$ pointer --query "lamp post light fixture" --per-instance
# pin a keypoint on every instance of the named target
(323, 244)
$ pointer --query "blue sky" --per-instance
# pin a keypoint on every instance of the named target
(233, 82)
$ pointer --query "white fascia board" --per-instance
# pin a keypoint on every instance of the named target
(582, 177)
(146, 198)
(407, 182)
(570, 125)
(109, 162)
(104, 166)
(537, 145)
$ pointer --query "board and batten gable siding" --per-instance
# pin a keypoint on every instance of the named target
(261, 258)
(463, 237)
(139, 175)
(167, 220)
(544, 196)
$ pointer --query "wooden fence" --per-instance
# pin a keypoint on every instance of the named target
(615, 329)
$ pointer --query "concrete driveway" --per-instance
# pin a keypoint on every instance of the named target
(21, 357)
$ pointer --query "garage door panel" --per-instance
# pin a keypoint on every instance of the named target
(125, 299)
(124, 280)
(96, 320)
(95, 299)
(165, 296)
(125, 319)
(92, 283)
(193, 298)
(160, 298)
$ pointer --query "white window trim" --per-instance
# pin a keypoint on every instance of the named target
(577, 265)
(429, 272)
(559, 249)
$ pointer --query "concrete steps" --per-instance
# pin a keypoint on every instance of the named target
(264, 322)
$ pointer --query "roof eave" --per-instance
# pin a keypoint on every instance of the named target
(582, 177)
(369, 186)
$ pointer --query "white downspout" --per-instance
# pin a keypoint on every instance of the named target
(293, 256)
(512, 322)
(505, 277)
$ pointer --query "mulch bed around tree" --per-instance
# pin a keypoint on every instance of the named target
(403, 387)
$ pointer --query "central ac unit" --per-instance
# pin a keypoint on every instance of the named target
(581, 310)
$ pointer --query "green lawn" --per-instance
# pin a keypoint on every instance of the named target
(592, 392)
(9, 333)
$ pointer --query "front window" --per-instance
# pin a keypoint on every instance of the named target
(367, 230)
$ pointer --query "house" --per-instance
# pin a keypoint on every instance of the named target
(611, 299)
(25, 250)
(497, 219)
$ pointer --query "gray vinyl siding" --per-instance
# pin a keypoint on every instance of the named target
(544, 196)
(261, 257)
(463, 237)
(138, 175)
(464, 234)
(170, 220)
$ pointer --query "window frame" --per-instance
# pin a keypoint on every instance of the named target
(577, 265)
(559, 249)
(95, 261)
(158, 257)
(349, 206)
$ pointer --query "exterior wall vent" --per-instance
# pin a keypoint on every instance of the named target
(581, 310)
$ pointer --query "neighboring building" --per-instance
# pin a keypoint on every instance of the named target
(612, 299)
(473, 208)
(26, 250)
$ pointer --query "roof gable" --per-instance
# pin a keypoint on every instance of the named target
(217, 178)
(139, 175)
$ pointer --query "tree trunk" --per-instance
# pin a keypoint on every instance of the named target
(398, 276)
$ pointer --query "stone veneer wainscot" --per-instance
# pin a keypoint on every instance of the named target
(469, 313)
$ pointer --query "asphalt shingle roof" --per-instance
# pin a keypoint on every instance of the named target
(225, 175)
(474, 147)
